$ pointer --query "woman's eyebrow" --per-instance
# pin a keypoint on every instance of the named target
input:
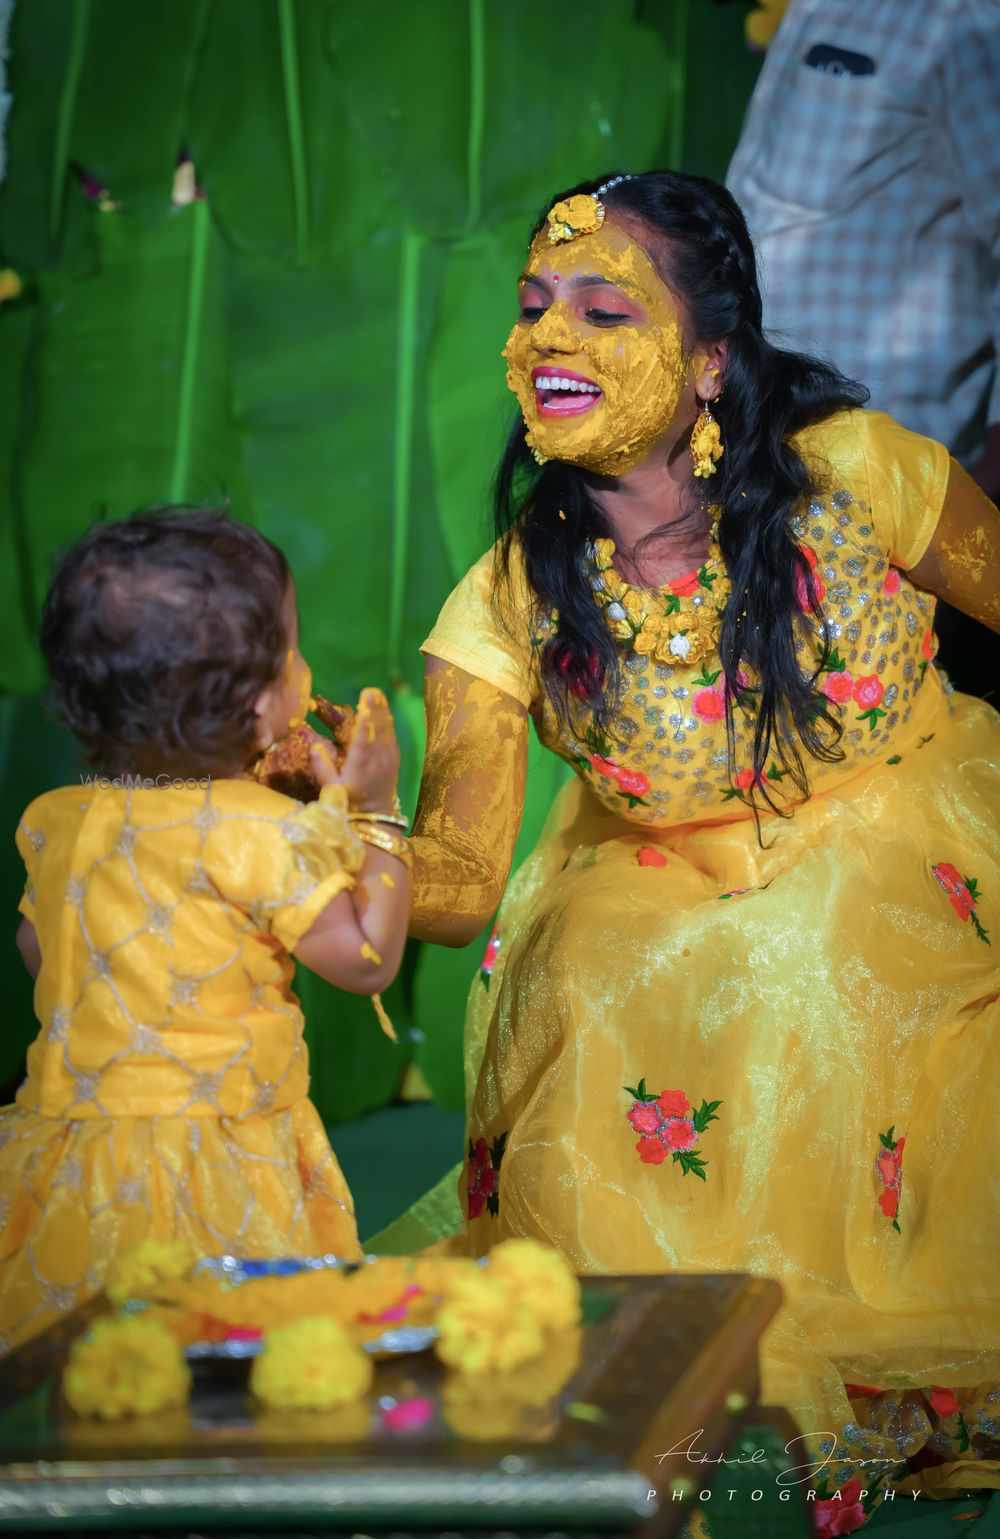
(578, 281)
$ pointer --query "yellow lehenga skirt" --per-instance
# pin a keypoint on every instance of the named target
(75, 1193)
(697, 1054)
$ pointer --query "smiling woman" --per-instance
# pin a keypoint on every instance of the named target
(600, 302)
(732, 955)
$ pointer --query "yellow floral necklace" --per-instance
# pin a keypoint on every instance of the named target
(677, 624)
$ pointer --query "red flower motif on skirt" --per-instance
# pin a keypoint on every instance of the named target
(669, 1126)
(648, 856)
(963, 894)
(889, 1169)
(841, 1514)
(943, 1401)
(644, 1117)
(482, 1182)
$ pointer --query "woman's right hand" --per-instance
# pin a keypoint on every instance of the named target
(370, 768)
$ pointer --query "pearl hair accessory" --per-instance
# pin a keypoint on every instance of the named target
(607, 186)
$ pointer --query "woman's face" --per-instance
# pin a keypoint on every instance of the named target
(596, 357)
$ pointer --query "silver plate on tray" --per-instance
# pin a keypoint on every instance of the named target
(395, 1340)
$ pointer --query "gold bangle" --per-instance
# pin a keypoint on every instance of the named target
(388, 841)
(379, 817)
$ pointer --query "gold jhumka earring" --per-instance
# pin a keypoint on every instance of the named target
(706, 442)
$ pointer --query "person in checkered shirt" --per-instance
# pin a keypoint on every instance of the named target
(869, 172)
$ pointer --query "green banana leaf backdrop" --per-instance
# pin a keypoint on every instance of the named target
(317, 338)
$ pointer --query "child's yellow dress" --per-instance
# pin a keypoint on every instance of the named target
(167, 1089)
(689, 1051)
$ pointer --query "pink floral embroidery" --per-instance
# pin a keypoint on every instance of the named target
(669, 1126)
(892, 581)
(963, 894)
(840, 1514)
(483, 1175)
(889, 1169)
(645, 1118)
(809, 591)
(708, 704)
(632, 784)
(838, 687)
(868, 693)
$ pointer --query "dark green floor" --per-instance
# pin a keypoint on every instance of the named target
(392, 1156)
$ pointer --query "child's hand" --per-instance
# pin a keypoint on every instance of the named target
(371, 765)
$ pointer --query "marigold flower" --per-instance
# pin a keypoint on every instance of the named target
(134, 1273)
(537, 1275)
(312, 1364)
(125, 1366)
(481, 1328)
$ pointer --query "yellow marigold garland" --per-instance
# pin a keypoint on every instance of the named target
(675, 629)
(311, 1365)
(125, 1366)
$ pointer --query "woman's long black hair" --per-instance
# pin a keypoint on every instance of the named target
(700, 245)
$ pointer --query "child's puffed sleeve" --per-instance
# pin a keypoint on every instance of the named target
(907, 480)
(487, 629)
(282, 861)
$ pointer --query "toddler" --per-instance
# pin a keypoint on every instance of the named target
(167, 1089)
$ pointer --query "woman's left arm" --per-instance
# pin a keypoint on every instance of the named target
(962, 563)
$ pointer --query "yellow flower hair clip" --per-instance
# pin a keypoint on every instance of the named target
(580, 215)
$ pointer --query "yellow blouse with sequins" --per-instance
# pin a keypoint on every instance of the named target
(166, 918)
(664, 759)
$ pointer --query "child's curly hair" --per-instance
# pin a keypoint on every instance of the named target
(160, 630)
